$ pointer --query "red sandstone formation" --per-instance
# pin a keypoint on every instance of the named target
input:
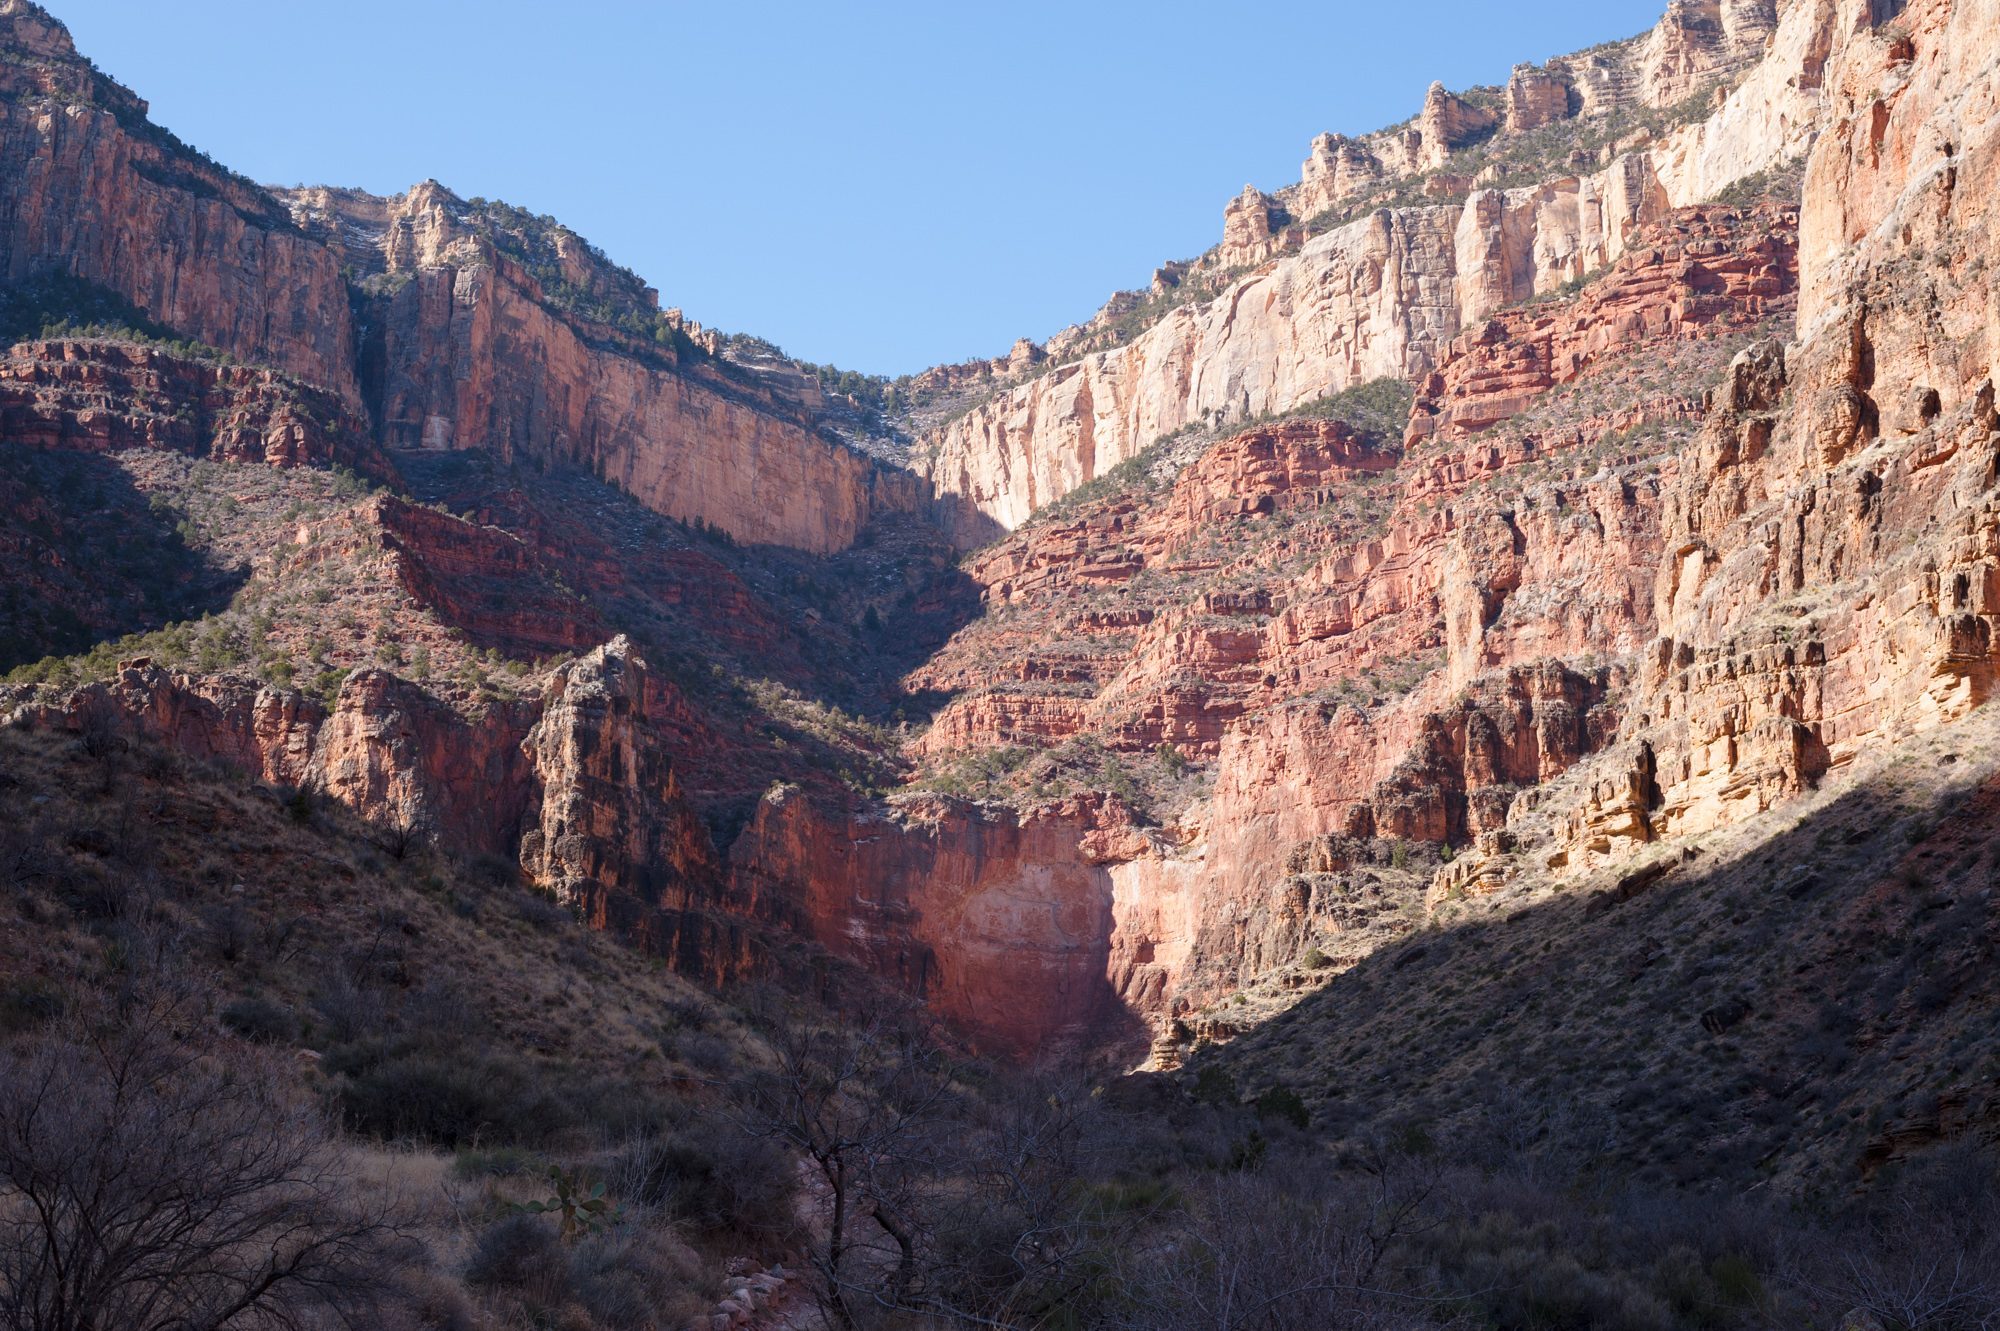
(484, 581)
(100, 397)
(1001, 922)
(1703, 273)
(469, 349)
(1364, 646)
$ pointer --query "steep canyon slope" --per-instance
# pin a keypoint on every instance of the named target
(1591, 476)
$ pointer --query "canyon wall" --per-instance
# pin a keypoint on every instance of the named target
(1382, 295)
(1831, 552)
(100, 397)
(93, 189)
(578, 781)
(1002, 923)
(1647, 557)
(463, 347)
(466, 348)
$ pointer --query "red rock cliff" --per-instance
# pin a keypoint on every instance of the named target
(90, 187)
(468, 349)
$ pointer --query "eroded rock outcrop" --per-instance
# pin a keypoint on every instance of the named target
(1825, 586)
(469, 348)
(614, 835)
(1643, 564)
(99, 397)
(540, 350)
(1708, 269)
(578, 783)
(1002, 923)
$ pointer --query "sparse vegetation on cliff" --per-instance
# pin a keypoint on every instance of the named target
(54, 305)
(613, 295)
(1547, 874)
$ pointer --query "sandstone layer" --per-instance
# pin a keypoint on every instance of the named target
(1650, 556)
(468, 348)
(1384, 294)
(101, 397)
(573, 363)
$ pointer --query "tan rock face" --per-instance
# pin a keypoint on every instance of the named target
(1448, 122)
(1384, 297)
(1700, 42)
(469, 353)
(1535, 97)
(1707, 270)
(1385, 294)
(1252, 227)
(1338, 169)
(1367, 301)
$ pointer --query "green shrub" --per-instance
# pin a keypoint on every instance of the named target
(522, 1253)
(1213, 1085)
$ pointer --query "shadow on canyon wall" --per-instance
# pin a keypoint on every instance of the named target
(840, 629)
(1827, 993)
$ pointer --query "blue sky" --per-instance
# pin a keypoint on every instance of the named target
(882, 186)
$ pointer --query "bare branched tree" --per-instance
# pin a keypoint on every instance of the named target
(145, 1186)
(1923, 1257)
(1019, 1237)
(932, 1201)
(1275, 1251)
(857, 1105)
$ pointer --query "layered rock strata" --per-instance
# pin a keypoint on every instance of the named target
(466, 347)
(101, 397)
(1385, 294)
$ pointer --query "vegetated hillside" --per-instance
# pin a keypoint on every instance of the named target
(325, 1076)
(1804, 1000)
(459, 1029)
